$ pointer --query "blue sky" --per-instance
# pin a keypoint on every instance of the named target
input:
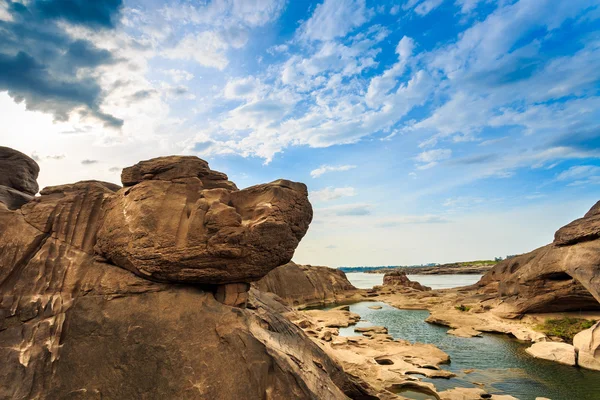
(426, 130)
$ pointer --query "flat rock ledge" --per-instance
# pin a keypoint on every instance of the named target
(561, 353)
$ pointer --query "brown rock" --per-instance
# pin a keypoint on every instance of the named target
(305, 284)
(200, 229)
(561, 276)
(13, 199)
(18, 171)
(399, 278)
(580, 230)
(73, 326)
(587, 344)
(173, 168)
(233, 294)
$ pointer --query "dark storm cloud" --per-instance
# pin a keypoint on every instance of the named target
(41, 64)
(97, 13)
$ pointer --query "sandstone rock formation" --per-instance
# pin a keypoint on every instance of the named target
(179, 221)
(562, 276)
(74, 326)
(18, 174)
(562, 353)
(587, 344)
(306, 284)
(399, 278)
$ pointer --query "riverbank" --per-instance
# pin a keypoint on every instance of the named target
(392, 361)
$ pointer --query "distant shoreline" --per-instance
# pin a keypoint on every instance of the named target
(460, 268)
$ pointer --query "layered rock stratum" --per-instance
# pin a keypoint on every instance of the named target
(562, 276)
(118, 293)
(307, 285)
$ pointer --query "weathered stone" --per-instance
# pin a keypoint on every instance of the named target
(371, 329)
(562, 353)
(13, 199)
(562, 276)
(587, 344)
(233, 294)
(464, 332)
(18, 171)
(306, 284)
(399, 278)
(74, 326)
(580, 230)
(173, 168)
(179, 230)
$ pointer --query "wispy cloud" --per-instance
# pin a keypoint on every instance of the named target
(323, 169)
(430, 158)
(331, 193)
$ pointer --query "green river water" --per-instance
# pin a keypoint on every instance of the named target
(501, 364)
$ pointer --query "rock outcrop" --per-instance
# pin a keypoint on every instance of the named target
(399, 278)
(18, 178)
(306, 285)
(587, 344)
(179, 221)
(75, 326)
(562, 353)
(562, 276)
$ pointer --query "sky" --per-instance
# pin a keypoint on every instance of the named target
(425, 130)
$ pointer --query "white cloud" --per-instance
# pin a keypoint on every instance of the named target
(206, 48)
(466, 6)
(178, 75)
(331, 193)
(578, 172)
(344, 210)
(336, 18)
(242, 88)
(394, 10)
(394, 221)
(330, 168)
(431, 158)
(427, 6)
(462, 202)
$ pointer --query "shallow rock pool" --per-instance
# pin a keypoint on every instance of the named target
(500, 363)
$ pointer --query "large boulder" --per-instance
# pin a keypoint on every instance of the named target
(18, 174)
(306, 284)
(178, 221)
(562, 353)
(587, 344)
(399, 279)
(73, 326)
(562, 276)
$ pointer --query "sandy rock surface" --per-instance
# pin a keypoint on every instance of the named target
(587, 344)
(562, 353)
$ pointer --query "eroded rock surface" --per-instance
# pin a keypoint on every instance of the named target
(562, 353)
(306, 284)
(179, 221)
(74, 326)
(399, 278)
(562, 276)
(587, 344)
(18, 178)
